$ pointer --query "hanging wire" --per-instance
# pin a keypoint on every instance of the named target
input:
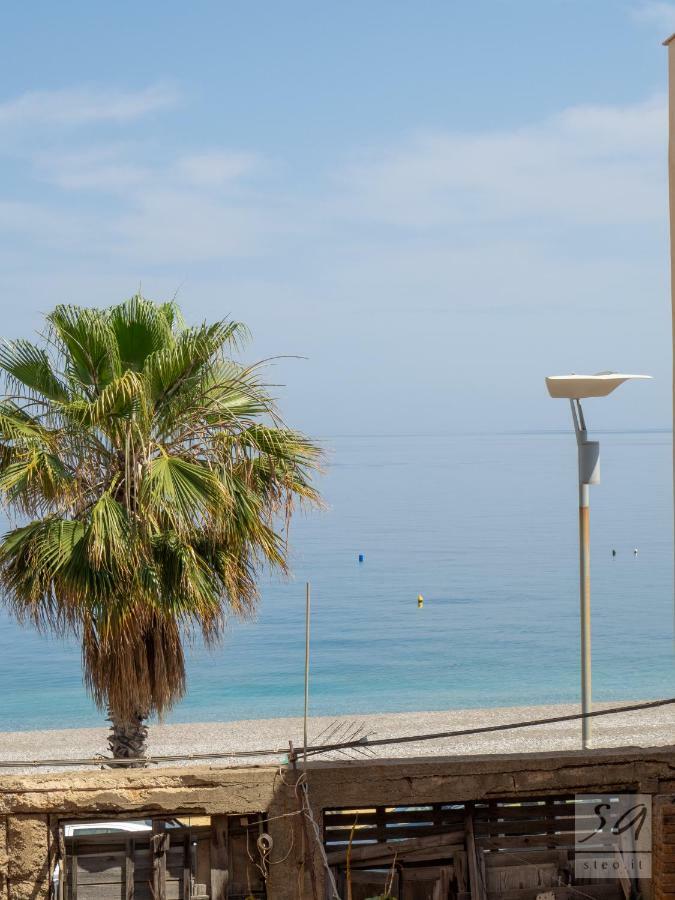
(362, 742)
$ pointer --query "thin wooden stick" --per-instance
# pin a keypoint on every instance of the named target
(305, 740)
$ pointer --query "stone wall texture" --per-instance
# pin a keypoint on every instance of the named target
(32, 806)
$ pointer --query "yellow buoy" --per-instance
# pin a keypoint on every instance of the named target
(420, 601)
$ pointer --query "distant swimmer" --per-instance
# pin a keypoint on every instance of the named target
(635, 552)
(613, 552)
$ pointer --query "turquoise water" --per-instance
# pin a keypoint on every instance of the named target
(485, 528)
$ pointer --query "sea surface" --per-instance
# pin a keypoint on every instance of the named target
(485, 528)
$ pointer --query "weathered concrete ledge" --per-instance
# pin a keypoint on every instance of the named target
(32, 806)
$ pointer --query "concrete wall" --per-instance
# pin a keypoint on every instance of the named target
(31, 806)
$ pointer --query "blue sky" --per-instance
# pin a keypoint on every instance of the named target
(435, 203)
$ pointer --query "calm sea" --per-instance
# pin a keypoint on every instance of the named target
(485, 527)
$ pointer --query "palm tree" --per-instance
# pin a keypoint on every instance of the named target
(152, 479)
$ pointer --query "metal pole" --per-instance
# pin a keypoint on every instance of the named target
(307, 619)
(585, 610)
(585, 475)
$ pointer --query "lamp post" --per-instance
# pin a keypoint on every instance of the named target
(575, 388)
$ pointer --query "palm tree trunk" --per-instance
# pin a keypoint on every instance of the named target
(128, 737)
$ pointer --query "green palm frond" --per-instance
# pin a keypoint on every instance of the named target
(20, 429)
(108, 535)
(182, 363)
(31, 559)
(89, 344)
(173, 315)
(30, 368)
(158, 483)
(188, 492)
(35, 480)
(141, 327)
(122, 398)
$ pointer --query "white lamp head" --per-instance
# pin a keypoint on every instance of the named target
(576, 387)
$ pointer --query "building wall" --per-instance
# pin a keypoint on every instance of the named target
(31, 806)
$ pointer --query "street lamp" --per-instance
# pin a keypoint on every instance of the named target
(576, 388)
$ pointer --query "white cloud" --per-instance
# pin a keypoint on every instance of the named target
(167, 224)
(118, 167)
(107, 168)
(587, 165)
(215, 168)
(445, 246)
(185, 208)
(658, 13)
(85, 105)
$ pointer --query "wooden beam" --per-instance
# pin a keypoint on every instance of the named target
(159, 844)
(443, 886)
(187, 867)
(460, 871)
(73, 871)
(450, 842)
(476, 874)
(602, 890)
(63, 871)
(220, 864)
(129, 868)
(526, 841)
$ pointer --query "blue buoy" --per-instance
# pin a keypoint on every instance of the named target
(361, 557)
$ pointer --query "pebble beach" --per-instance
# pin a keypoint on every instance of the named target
(645, 728)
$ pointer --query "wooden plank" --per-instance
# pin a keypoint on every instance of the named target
(569, 815)
(460, 863)
(370, 884)
(476, 883)
(219, 858)
(412, 833)
(400, 817)
(108, 891)
(175, 857)
(389, 834)
(432, 883)
(442, 889)
(425, 873)
(600, 891)
(158, 847)
(452, 838)
(381, 824)
(536, 826)
(525, 841)
(187, 867)
(531, 857)
(63, 865)
(553, 826)
(372, 879)
(534, 811)
(438, 855)
(129, 860)
(416, 856)
(100, 868)
(73, 871)
(508, 878)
